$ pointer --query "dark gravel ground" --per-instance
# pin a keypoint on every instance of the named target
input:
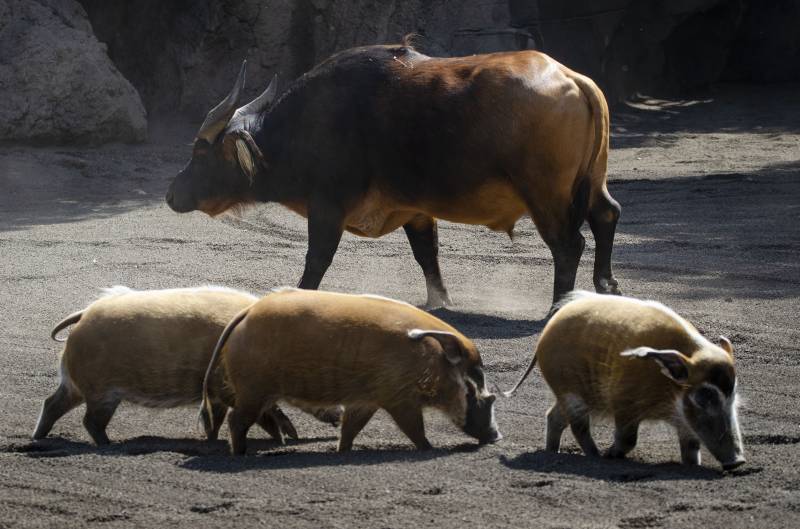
(710, 190)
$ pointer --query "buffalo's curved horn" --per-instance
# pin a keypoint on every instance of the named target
(262, 102)
(219, 116)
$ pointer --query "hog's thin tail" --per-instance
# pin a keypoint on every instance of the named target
(66, 322)
(212, 365)
(521, 380)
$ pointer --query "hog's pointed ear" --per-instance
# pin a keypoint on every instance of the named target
(726, 345)
(451, 344)
(674, 364)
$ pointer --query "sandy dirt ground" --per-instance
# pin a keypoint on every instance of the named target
(710, 189)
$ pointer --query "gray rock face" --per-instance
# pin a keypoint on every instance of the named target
(183, 55)
(57, 83)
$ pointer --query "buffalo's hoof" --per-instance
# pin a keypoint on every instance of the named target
(438, 300)
(607, 286)
(614, 453)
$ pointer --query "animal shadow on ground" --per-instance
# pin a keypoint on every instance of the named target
(618, 471)
(477, 325)
(62, 447)
(288, 458)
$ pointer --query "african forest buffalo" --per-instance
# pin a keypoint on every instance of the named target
(380, 137)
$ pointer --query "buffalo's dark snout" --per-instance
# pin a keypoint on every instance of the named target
(179, 202)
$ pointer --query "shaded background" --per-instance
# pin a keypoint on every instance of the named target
(64, 62)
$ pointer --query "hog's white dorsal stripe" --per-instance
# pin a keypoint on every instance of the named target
(584, 294)
(384, 298)
(284, 289)
(118, 290)
(369, 296)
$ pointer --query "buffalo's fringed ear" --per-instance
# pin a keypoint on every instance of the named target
(726, 345)
(674, 364)
(450, 343)
(245, 159)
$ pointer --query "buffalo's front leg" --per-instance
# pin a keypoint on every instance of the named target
(325, 227)
(424, 238)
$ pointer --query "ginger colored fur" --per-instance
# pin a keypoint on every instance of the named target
(599, 355)
(579, 354)
(322, 349)
(146, 347)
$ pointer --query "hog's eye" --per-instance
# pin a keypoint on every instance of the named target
(706, 398)
(476, 374)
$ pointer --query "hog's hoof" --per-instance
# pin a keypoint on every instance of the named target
(730, 465)
(332, 415)
(492, 438)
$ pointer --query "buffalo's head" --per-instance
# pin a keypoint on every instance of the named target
(225, 159)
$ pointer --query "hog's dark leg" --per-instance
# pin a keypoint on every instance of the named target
(98, 415)
(276, 424)
(54, 407)
(556, 423)
(424, 239)
(353, 421)
(690, 448)
(577, 414)
(325, 227)
(284, 423)
(218, 411)
(603, 215)
(331, 415)
(240, 419)
(409, 418)
(626, 434)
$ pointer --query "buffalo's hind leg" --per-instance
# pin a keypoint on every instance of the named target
(424, 239)
(603, 215)
(559, 223)
(55, 406)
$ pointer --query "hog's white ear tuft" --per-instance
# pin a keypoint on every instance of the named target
(674, 364)
(450, 343)
(726, 345)
(245, 159)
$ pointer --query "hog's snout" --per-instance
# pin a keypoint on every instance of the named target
(492, 436)
(735, 463)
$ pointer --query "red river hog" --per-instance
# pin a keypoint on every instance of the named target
(360, 351)
(634, 361)
(150, 348)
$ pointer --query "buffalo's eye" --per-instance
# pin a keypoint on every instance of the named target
(201, 148)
